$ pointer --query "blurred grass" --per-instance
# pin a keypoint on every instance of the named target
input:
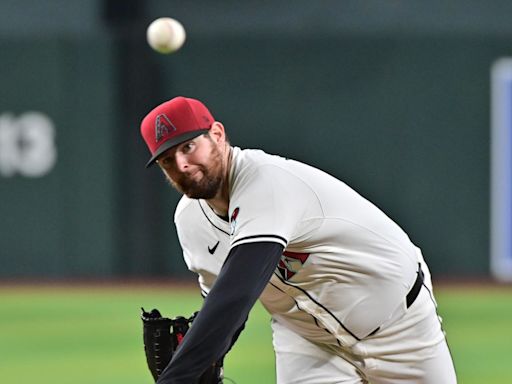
(478, 323)
(92, 334)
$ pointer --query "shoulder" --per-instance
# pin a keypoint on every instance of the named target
(254, 156)
(255, 166)
(251, 162)
(187, 209)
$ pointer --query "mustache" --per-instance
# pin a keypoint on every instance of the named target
(205, 188)
(184, 178)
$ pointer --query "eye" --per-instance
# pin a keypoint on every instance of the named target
(188, 147)
(164, 162)
(166, 159)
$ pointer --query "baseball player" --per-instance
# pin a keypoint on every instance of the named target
(350, 295)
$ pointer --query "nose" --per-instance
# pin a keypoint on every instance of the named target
(181, 162)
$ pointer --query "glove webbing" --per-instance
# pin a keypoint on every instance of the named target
(161, 338)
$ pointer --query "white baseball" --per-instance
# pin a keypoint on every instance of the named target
(165, 35)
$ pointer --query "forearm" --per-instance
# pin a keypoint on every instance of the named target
(243, 277)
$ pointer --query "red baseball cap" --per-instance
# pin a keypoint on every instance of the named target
(173, 122)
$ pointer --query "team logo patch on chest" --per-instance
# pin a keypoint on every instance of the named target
(232, 220)
(291, 263)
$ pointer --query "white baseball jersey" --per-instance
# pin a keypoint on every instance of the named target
(347, 267)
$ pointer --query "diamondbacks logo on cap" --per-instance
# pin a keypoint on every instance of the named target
(163, 127)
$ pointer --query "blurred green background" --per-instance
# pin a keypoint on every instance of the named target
(93, 334)
(393, 97)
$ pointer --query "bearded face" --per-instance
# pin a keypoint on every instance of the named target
(204, 181)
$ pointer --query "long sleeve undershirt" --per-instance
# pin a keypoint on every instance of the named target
(244, 275)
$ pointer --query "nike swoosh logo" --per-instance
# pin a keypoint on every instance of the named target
(212, 250)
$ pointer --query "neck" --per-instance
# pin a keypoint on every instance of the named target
(220, 203)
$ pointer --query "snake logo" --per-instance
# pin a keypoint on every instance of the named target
(291, 263)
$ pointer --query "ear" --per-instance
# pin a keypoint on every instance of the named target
(217, 132)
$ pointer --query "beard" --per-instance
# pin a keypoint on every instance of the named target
(210, 182)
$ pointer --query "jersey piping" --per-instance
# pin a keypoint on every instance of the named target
(313, 317)
(328, 318)
(209, 220)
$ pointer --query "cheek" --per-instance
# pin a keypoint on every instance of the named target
(169, 175)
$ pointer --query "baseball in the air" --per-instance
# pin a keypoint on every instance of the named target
(165, 35)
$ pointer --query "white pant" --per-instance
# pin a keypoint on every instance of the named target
(412, 349)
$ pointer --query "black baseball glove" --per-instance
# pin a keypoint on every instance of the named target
(161, 338)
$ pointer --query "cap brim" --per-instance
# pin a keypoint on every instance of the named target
(175, 141)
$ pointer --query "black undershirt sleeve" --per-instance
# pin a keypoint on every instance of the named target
(244, 275)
